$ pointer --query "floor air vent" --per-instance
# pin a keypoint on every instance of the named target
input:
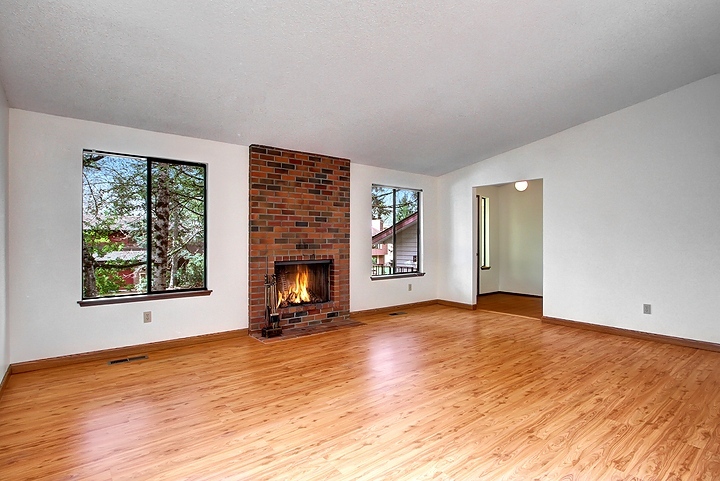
(127, 359)
(397, 313)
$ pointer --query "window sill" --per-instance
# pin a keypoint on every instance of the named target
(397, 276)
(102, 301)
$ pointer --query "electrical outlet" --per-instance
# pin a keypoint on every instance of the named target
(409, 287)
(647, 309)
(147, 316)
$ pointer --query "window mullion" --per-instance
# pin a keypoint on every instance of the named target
(394, 222)
(148, 229)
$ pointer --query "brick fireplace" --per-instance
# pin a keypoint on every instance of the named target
(299, 211)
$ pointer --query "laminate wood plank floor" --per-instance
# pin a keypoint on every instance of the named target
(437, 393)
(528, 306)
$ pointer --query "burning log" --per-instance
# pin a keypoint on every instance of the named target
(293, 298)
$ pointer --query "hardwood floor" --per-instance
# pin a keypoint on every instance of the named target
(437, 393)
(519, 305)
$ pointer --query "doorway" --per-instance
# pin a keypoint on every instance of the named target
(508, 235)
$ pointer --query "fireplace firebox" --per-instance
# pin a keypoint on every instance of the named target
(302, 282)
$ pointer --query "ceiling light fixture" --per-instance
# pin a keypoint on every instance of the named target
(521, 185)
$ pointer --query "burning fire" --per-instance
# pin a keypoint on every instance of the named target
(298, 291)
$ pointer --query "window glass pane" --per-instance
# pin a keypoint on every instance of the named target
(407, 203)
(178, 226)
(406, 231)
(485, 232)
(382, 214)
(114, 225)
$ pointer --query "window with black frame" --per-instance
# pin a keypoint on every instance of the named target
(396, 221)
(143, 225)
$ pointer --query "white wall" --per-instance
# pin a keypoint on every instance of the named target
(630, 215)
(364, 293)
(4, 131)
(520, 265)
(45, 210)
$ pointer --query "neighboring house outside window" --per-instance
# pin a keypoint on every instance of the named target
(144, 229)
(396, 220)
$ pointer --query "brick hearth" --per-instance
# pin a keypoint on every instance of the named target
(299, 210)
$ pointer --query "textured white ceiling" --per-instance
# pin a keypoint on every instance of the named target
(418, 86)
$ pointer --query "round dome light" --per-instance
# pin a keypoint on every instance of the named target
(521, 185)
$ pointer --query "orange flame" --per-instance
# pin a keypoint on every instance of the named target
(298, 291)
(301, 284)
